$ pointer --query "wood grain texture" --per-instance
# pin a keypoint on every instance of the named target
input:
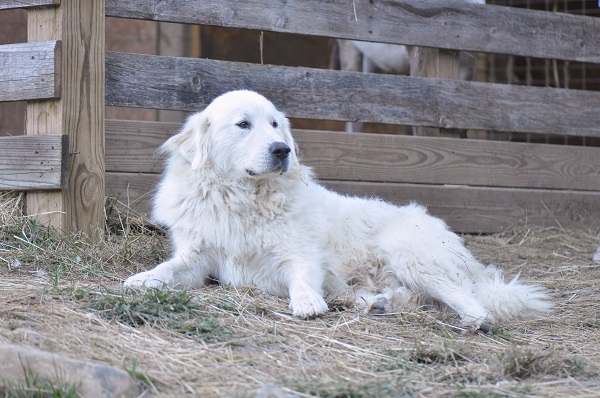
(30, 71)
(435, 63)
(433, 23)
(465, 209)
(131, 147)
(34, 162)
(389, 158)
(489, 210)
(8, 4)
(134, 190)
(79, 114)
(147, 81)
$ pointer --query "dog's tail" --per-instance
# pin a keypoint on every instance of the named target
(511, 300)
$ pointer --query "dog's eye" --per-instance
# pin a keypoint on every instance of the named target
(244, 124)
(274, 124)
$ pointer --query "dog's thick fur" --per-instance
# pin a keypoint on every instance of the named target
(241, 209)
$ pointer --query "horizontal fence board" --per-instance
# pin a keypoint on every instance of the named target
(465, 209)
(131, 147)
(30, 71)
(147, 81)
(429, 23)
(8, 4)
(489, 210)
(34, 162)
(134, 190)
(388, 158)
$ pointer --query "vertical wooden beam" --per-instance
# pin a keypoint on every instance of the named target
(436, 63)
(79, 113)
(195, 41)
(173, 41)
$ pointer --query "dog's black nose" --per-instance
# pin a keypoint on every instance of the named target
(280, 150)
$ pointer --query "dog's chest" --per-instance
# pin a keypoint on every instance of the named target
(242, 259)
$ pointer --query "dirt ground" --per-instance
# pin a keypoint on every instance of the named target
(64, 294)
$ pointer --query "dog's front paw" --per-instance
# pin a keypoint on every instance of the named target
(147, 279)
(307, 305)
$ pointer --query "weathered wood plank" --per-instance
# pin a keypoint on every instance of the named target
(138, 80)
(131, 146)
(134, 190)
(8, 4)
(433, 23)
(435, 63)
(79, 113)
(390, 158)
(34, 162)
(465, 209)
(30, 71)
(489, 210)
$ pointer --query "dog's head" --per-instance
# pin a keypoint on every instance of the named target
(239, 135)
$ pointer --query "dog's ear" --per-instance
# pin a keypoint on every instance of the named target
(191, 141)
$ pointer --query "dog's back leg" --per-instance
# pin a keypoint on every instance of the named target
(472, 314)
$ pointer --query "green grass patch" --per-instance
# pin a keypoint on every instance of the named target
(130, 242)
(375, 389)
(462, 392)
(591, 323)
(450, 353)
(523, 365)
(35, 387)
(133, 371)
(175, 310)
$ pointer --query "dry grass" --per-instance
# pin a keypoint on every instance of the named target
(64, 294)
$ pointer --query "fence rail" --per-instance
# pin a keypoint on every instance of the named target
(131, 147)
(34, 73)
(477, 186)
(138, 80)
(9, 4)
(464, 208)
(34, 162)
(60, 72)
(428, 23)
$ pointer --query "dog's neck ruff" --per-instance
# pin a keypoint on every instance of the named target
(262, 198)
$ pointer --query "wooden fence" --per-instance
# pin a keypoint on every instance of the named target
(477, 186)
(60, 71)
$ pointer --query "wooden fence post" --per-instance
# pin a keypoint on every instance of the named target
(433, 62)
(79, 113)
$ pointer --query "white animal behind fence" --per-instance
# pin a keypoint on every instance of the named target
(371, 57)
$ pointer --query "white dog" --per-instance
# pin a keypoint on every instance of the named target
(242, 210)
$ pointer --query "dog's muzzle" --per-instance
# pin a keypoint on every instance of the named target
(280, 150)
(279, 162)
